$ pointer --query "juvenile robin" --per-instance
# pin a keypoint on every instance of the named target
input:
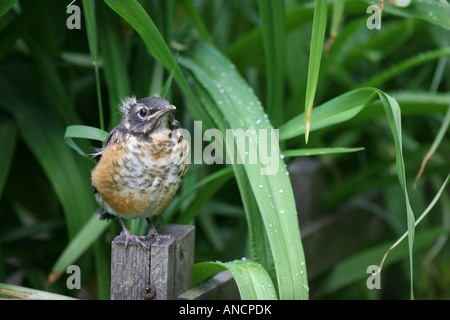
(142, 164)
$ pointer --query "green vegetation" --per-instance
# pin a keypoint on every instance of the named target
(377, 108)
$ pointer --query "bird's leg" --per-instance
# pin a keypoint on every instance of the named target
(130, 237)
(153, 233)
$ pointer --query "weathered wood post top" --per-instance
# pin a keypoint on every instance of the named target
(161, 273)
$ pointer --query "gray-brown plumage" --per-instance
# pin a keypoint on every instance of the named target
(142, 164)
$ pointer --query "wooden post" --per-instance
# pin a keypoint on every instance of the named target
(307, 178)
(161, 273)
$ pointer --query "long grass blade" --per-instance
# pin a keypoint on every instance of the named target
(114, 60)
(318, 151)
(421, 217)
(315, 57)
(135, 15)
(273, 193)
(69, 177)
(84, 239)
(406, 65)
(91, 28)
(338, 10)
(354, 268)
(17, 292)
(392, 110)
(273, 23)
(437, 141)
(196, 20)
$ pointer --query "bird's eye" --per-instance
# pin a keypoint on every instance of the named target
(142, 113)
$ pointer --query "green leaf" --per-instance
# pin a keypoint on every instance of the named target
(337, 110)
(6, 5)
(84, 132)
(68, 176)
(436, 12)
(252, 42)
(253, 281)
(91, 28)
(132, 12)
(318, 151)
(8, 134)
(196, 20)
(437, 141)
(114, 63)
(84, 239)
(20, 23)
(315, 57)
(338, 10)
(354, 268)
(393, 114)
(349, 105)
(274, 35)
(215, 182)
(18, 292)
(240, 108)
(406, 65)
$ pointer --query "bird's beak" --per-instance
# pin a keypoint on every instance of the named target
(168, 109)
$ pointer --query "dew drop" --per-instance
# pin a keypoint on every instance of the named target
(260, 186)
(281, 211)
(280, 191)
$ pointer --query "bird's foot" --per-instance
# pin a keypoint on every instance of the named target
(152, 233)
(137, 239)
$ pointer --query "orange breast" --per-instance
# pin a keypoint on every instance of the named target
(140, 178)
(108, 177)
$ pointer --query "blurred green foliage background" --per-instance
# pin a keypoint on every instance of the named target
(48, 82)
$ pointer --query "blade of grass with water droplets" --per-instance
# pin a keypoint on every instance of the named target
(273, 23)
(241, 109)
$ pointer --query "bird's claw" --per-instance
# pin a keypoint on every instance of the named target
(158, 236)
(131, 237)
(139, 239)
